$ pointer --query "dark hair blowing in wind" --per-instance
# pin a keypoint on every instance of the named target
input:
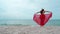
(42, 11)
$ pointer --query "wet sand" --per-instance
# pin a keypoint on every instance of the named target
(29, 30)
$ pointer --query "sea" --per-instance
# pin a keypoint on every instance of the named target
(28, 22)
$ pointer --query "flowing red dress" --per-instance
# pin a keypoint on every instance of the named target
(42, 19)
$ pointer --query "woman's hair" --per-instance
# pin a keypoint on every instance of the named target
(41, 11)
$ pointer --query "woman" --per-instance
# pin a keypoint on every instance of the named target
(42, 17)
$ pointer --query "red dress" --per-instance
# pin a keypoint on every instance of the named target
(42, 19)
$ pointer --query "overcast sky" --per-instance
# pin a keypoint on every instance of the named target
(25, 9)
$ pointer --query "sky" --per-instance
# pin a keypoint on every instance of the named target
(25, 9)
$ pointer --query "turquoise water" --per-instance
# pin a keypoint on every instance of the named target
(28, 22)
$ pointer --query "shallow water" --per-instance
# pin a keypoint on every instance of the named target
(28, 22)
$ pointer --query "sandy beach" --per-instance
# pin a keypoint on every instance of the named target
(29, 30)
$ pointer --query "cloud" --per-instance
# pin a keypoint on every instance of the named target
(26, 8)
(18, 9)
